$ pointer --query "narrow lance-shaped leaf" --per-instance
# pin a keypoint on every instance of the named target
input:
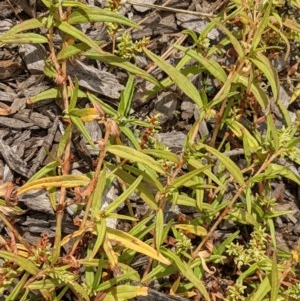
(87, 14)
(264, 65)
(143, 190)
(17, 288)
(23, 38)
(194, 229)
(212, 66)
(52, 93)
(262, 290)
(162, 154)
(122, 198)
(45, 170)
(235, 43)
(114, 60)
(135, 244)
(24, 263)
(188, 176)
(74, 94)
(227, 162)
(187, 272)
(58, 181)
(272, 133)
(25, 25)
(126, 97)
(178, 78)
(261, 26)
(80, 126)
(97, 195)
(135, 156)
(260, 95)
(159, 228)
(125, 292)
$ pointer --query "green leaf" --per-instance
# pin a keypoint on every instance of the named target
(125, 292)
(261, 291)
(45, 170)
(272, 133)
(132, 243)
(124, 196)
(242, 133)
(94, 14)
(128, 275)
(181, 181)
(73, 50)
(177, 77)
(23, 38)
(264, 65)
(78, 34)
(97, 194)
(107, 108)
(25, 25)
(80, 126)
(25, 263)
(143, 190)
(150, 178)
(17, 288)
(242, 216)
(261, 26)
(197, 164)
(285, 172)
(74, 95)
(135, 156)
(235, 43)
(113, 60)
(194, 229)
(162, 154)
(126, 97)
(259, 94)
(130, 135)
(159, 228)
(275, 279)
(227, 162)
(187, 272)
(212, 66)
(100, 235)
(58, 181)
(52, 93)
(64, 140)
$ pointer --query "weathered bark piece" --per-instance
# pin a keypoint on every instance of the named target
(196, 24)
(14, 123)
(34, 56)
(36, 118)
(143, 9)
(95, 80)
(173, 140)
(12, 159)
(166, 104)
(47, 144)
(37, 200)
(10, 68)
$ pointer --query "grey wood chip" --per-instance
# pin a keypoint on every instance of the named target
(12, 159)
(173, 140)
(95, 80)
(196, 24)
(14, 123)
(37, 200)
(34, 57)
(36, 118)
